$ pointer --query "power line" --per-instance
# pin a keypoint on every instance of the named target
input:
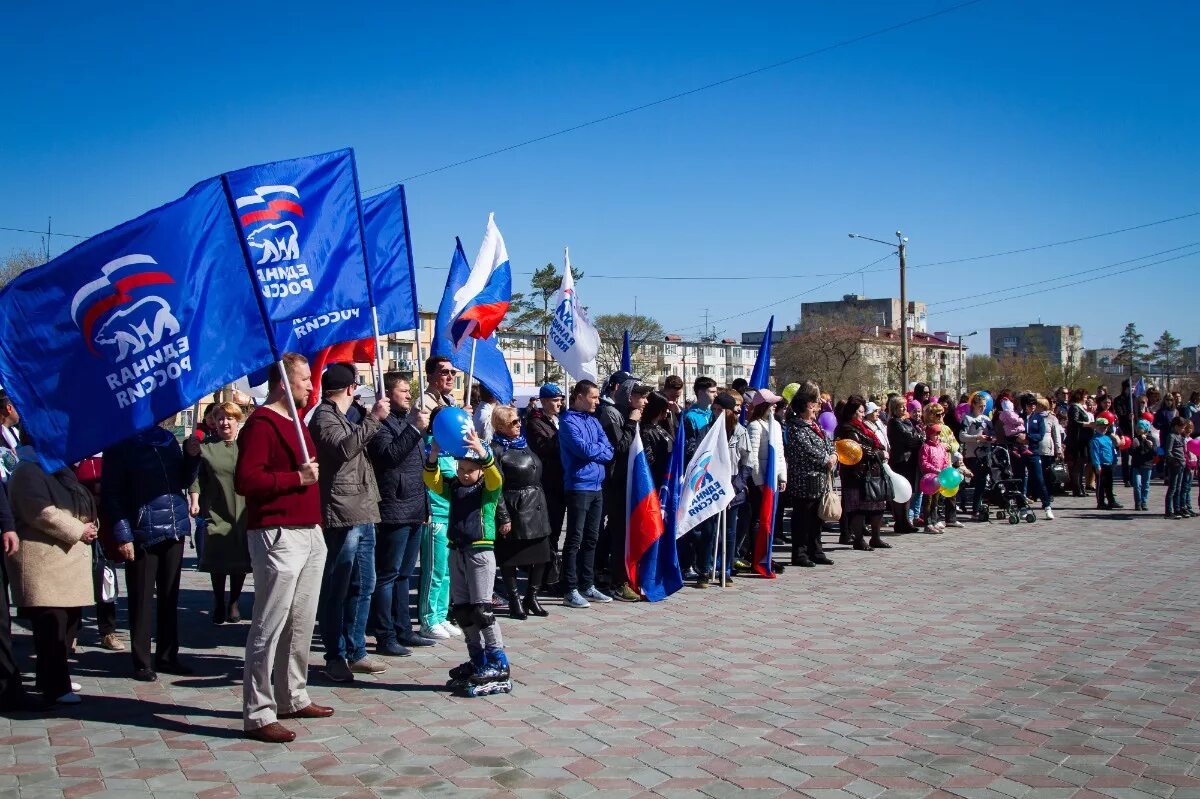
(43, 233)
(807, 291)
(1024, 286)
(1057, 243)
(1058, 288)
(681, 95)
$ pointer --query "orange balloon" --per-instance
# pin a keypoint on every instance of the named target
(848, 452)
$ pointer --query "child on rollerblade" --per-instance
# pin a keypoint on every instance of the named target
(472, 496)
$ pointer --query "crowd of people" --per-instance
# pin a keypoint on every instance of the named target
(340, 518)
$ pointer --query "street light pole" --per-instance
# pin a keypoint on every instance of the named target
(960, 337)
(903, 318)
(902, 247)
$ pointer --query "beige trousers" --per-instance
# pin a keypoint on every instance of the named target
(287, 564)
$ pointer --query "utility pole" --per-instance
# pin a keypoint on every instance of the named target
(902, 248)
(49, 219)
(903, 317)
(960, 371)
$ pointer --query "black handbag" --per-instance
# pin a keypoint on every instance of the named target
(876, 485)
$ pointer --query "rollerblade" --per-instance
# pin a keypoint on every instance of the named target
(460, 675)
(492, 678)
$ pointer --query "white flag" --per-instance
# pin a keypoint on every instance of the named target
(572, 341)
(707, 481)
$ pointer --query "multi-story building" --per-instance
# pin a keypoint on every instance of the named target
(1060, 344)
(855, 309)
(933, 359)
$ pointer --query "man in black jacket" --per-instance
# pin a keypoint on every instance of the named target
(630, 399)
(398, 456)
(541, 431)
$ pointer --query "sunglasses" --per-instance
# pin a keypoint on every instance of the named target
(450, 372)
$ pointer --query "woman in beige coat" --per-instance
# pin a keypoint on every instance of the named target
(51, 573)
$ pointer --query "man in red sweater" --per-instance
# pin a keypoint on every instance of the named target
(287, 554)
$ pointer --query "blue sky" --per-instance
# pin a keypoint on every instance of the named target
(999, 126)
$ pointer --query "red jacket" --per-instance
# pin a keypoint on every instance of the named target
(268, 473)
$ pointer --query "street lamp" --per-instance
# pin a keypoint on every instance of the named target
(960, 337)
(900, 246)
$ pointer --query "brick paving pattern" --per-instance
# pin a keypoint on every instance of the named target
(1048, 660)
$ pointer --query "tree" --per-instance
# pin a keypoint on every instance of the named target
(832, 357)
(1133, 348)
(1166, 356)
(981, 373)
(524, 316)
(642, 330)
(17, 262)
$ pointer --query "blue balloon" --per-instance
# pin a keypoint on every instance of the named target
(989, 403)
(1159, 451)
(450, 430)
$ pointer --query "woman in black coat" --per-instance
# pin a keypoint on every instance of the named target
(858, 508)
(905, 438)
(808, 451)
(528, 542)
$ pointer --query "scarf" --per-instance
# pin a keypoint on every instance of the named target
(861, 426)
(816, 428)
(504, 442)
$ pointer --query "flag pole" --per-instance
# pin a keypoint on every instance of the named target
(291, 404)
(716, 548)
(378, 354)
(725, 545)
(420, 369)
(470, 374)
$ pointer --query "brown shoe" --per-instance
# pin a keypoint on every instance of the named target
(273, 733)
(309, 711)
(112, 642)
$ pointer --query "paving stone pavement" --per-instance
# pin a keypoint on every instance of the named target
(1053, 659)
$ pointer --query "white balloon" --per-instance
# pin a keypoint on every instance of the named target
(901, 489)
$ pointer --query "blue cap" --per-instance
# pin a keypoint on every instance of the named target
(1143, 425)
(550, 391)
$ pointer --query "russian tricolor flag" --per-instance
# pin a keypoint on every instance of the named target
(650, 555)
(764, 536)
(481, 303)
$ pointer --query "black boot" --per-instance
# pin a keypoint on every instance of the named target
(514, 598)
(219, 606)
(532, 605)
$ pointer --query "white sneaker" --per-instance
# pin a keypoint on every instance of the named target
(932, 529)
(941, 527)
(69, 699)
(1050, 514)
(76, 686)
(450, 630)
(436, 631)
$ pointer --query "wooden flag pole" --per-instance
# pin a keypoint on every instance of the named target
(291, 403)
(470, 375)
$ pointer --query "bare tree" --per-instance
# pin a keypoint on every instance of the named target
(642, 330)
(17, 262)
(833, 357)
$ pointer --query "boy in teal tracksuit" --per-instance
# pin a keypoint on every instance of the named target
(472, 497)
(433, 596)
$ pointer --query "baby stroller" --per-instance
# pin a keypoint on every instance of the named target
(1001, 493)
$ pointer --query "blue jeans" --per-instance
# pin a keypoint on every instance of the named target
(731, 530)
(346, 587)
(585, 511)
(979, 469)
(396, 548)
(1174, 488)
(1185, 491)
(914, 504)
(1036, 480)
(706, 536)
(1141, 484)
